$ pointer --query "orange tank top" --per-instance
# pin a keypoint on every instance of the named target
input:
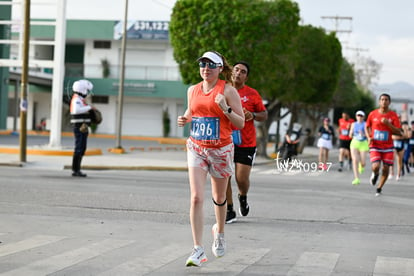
(210, 127)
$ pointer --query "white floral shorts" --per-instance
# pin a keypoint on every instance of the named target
(217, 161)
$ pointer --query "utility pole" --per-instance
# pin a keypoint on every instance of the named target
(337, 20)
(357, 50)
(357, 59)
(24, 84)
(118, 148)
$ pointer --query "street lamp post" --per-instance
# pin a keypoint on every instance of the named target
(118, 148)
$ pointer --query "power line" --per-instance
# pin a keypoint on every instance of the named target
(357, 50)
(337, 20)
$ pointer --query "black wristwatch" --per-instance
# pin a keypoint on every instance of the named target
(254, 115)
(229, 110)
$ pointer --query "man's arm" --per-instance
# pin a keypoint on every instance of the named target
(260, 116)
(395, 129)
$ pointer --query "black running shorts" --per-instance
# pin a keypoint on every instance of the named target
(244, 156)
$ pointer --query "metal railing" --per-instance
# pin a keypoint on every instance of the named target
(168, 73)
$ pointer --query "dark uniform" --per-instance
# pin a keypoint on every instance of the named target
(80, 120)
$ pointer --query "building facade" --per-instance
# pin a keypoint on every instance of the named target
(153, 89)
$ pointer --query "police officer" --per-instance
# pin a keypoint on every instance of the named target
(80, 120)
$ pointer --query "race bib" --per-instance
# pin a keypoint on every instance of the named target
(380, 135)
(205, 128)
(411, 142)
(326, 136)
(398, 144)
(360, 137)
(345, 132)
(236, 135)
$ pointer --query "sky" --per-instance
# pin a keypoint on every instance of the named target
(382, 29)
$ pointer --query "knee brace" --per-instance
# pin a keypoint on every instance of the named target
(221, 204)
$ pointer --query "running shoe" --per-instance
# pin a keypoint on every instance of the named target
(378, 193)
(373, 179)
(244, 206)
(197, 257)
(356, 181)
(219, 244)
(230, 216)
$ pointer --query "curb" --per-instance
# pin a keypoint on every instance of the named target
(128, 168)
(59, 152)
(12, 164)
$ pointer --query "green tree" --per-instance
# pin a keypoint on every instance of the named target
(350, 97)
(346, 93)
(318, 63)
(256, 31)
(317, 60)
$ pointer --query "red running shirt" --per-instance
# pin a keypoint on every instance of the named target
(380, 133)
(344, 127)
(210, 127)
(251, 100)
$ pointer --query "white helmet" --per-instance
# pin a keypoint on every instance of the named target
(82, 86)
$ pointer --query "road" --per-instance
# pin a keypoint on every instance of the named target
(136, 223)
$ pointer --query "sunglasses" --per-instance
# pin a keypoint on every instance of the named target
(210, 65)
(359, 115)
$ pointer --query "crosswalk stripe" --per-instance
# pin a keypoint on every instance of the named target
(394, 266)
(61, 261)
(233, 263)
(151, 261)
(314, 264)
(271, 171)
(35, 241)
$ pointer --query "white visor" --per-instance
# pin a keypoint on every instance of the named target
(213, 57)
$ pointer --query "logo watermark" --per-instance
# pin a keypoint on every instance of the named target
(297, 165)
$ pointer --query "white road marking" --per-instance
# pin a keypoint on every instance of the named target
(35, 241)
(149, 262)
(69, 258)
(393, 266)
(314, 264)
(233, 263)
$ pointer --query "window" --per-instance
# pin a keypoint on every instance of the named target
(101, 44)
(11, 111)
(100, 99)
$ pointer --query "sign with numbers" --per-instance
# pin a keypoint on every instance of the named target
(139, 29)
(205, 128)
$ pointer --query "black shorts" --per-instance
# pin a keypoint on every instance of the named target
(344, 144)
(398, 145)
(244, 156)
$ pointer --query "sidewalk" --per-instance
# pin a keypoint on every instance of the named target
(141, 153)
